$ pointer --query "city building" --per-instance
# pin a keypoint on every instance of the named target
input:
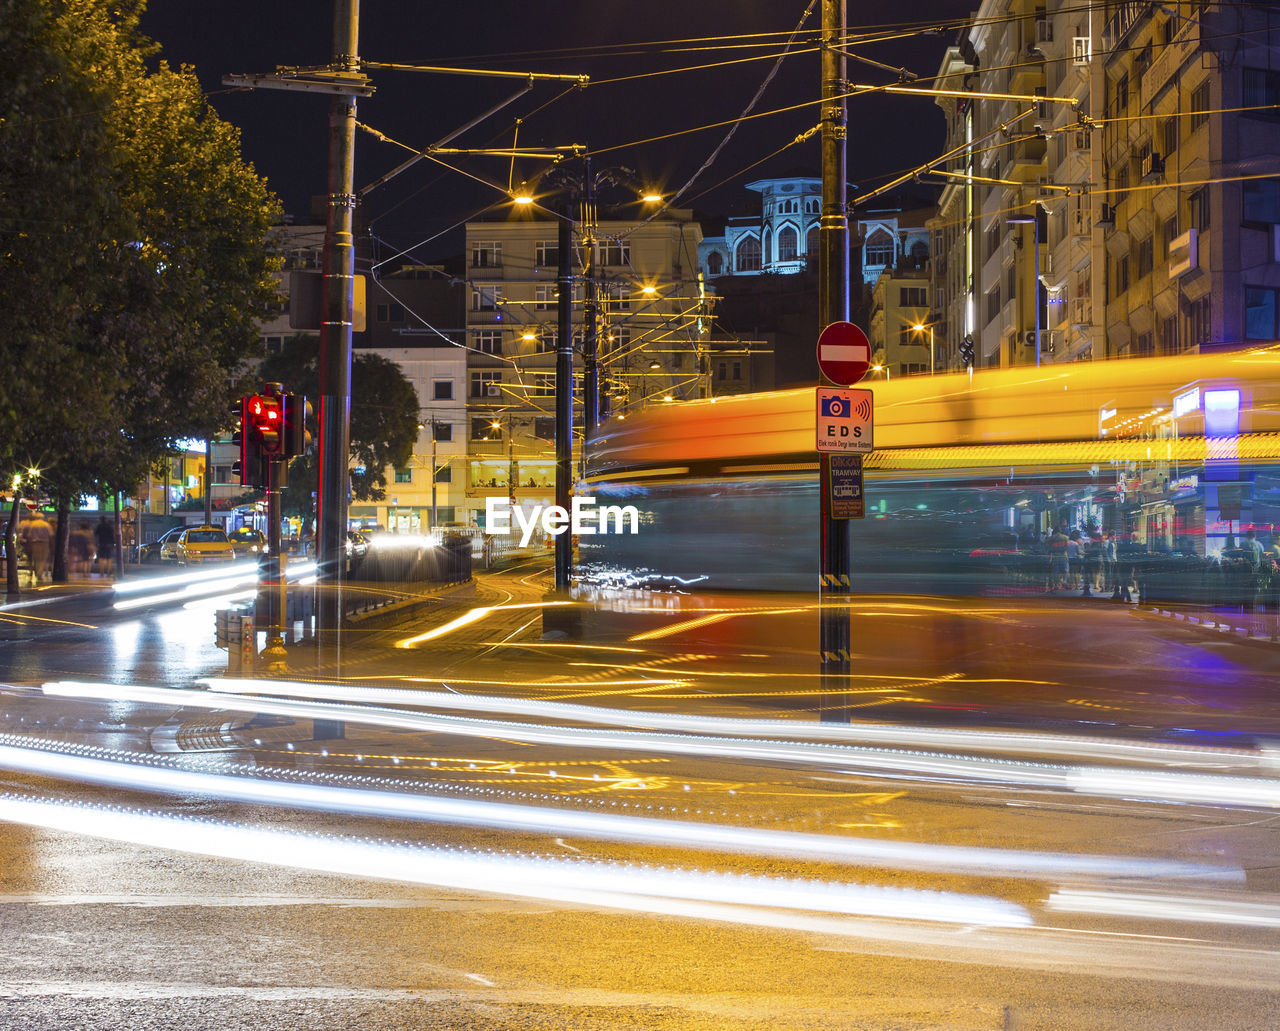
(651, 329)
(1118, 199)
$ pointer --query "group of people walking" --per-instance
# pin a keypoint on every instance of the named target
(1087, 562)
(87, 549)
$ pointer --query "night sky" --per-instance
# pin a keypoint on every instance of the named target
(285, 134)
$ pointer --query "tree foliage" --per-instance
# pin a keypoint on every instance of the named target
(384, 420)
(134, 244)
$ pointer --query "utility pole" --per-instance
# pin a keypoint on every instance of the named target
(564, 391)
(590, 310)
(335, 350)
(834, 591)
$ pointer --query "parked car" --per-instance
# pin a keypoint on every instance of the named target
(248, 542)
(198, 545)
(153, 552)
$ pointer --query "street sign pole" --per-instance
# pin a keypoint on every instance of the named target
(833, 240)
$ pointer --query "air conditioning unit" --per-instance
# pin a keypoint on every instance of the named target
(1151, 165)
(493, 390)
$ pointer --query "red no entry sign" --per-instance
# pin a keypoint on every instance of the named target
(844, 353)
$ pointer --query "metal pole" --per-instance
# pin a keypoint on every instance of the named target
(833, 303)
(274, 595)
(434, 470)
(564, 392)
(208, 480)
(335, 354)
(590, 368)
(1035, 291)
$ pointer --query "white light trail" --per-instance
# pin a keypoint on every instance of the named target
(1007, 742)
(1203, 910)
(623, 886)
(1109, 781)
(140, 772)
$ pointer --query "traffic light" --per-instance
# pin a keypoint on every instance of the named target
(297, 417)
(249, 468)
(966, 351)
(266, 420)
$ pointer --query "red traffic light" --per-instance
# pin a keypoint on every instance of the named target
(267, 421)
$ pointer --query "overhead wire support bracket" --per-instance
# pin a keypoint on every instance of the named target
(326, 80)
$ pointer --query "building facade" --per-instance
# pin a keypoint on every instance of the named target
(1119, 200)
(651, 328)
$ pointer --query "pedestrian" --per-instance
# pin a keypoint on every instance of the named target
(1091, 546)
(1058, 566)
(80, 549)
(1109, 563)
(37, 535)
(104, 536)
(1074, 554)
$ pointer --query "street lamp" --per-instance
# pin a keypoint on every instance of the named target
(920, 328)
(882, 368)
(1034, 222)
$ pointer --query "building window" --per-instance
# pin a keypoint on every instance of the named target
(1199, 105)
(614, 253)
(546, 254)
(1122, 93)
(1261, 89)
(1145, 345)
(404, 475)
(737, 370)
(444, 474)
(481, 382)
(1169, 335)
(788, 243)
(748, 255)
(442, 390)
(618, 336)
(993, 305)
(913, 296)
(483, 429)
(1261, 201)
(620, 298)
(1146, 256)
(1170, 231)
(1198, 203)
(549, 336)
(1122, 184)
(1011, 281)
(1198, 328)
(488, 341)
(544, 296)
(393, 313)
(487, 297)
(486, 254)
(722, 370)
(1122, 274)
(442, 431)
(1260, 309)
(715, 264)
(879, 249)
(542, 384)
(1170, 134)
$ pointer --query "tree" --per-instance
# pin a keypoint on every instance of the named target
(134, 240)
(384, 420)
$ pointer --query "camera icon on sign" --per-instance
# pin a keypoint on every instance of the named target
(835, 407)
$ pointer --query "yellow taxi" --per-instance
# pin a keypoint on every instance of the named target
(199, 545)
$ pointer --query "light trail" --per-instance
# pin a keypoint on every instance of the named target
(1007, 742)
(615, 885)
(1108, 781)
(472, 616)
(1204, 910)
(144, 773)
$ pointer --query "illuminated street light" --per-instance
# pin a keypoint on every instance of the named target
(920, 328)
